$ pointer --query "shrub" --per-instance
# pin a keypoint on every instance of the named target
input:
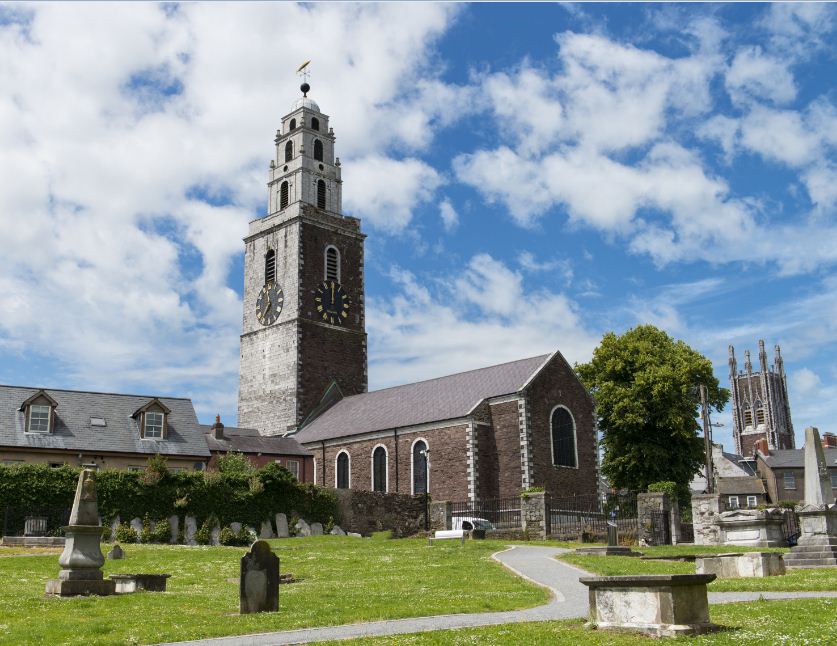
(228, 536)
(146, 535)
(233, 463)
(126, 534)
(162, 531)
(203, 535)
(665, 486)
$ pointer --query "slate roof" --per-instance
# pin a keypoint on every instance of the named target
(743, 485)
(795, 458)
(433, 400)
(73, 431)
(248, 440)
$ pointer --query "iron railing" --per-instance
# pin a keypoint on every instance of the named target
(790, 528)
(687, 532)
(586, 517)
(39, 521)
(503, 513)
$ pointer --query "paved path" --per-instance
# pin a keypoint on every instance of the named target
(536, 564)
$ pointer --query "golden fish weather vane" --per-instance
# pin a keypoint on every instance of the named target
(303, 71)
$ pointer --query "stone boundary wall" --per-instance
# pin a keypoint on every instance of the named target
(365, 512)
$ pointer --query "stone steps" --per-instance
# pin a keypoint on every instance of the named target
(817, 555)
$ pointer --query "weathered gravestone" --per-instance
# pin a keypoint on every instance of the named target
(302, 528)
(316, 529)
(174, 526)
(259, 580)
(136, 525)
(215, 535)
(82, 558)
(191, 529)
(114, 525)
(266, 530)
(337, 531)
(282, 526)
(235, 527)
(116, 553)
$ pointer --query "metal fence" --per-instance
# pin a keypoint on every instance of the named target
(503, 513)
(586, 517)
(687, 532)
(41, 521)
(790, 527)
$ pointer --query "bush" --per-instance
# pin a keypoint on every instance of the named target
(228, 536)
(126, 534)
(203, 535)
(146, 535)
(162, 531)
(233, 463)
(666, 486)
(245, 536)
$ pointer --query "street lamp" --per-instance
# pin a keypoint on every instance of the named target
(425, 453)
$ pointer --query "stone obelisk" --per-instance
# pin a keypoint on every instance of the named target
(82, 559)
(817, 514)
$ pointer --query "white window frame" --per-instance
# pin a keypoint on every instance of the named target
(834, 479)
(752, 501)
(296, 467)
(551, 442)
(349, 464)
(792, 476)
(315, 471)
(325, 262)
(386, 467)
(413, 465)
(146, 425)
(32, 408)
(732, 505)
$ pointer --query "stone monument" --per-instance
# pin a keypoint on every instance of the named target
(259, 582)
(612, 548)
(82, 558)
(817, 546)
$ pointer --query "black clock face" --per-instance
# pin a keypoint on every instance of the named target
(332, 303)
(269, 305)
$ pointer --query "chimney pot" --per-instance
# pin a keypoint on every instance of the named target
(218, 428)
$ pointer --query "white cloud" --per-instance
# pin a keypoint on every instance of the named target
(450, 218)
(387, 190)
(805, 382)
(530, 264)
(756, 75)
(488, 316)
(780, 135)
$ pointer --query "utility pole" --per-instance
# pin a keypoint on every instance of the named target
(707, 439)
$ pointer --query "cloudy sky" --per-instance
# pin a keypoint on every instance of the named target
(530, 177)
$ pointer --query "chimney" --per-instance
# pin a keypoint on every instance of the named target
(761, 447)
(829, 441)
(218, 428)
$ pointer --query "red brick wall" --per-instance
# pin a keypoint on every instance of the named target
(557, 384)
(506, 423)
(448, 477)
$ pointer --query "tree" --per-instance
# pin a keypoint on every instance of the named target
(646, 389)
(233, 463)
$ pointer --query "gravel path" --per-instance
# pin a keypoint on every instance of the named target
(537, 564)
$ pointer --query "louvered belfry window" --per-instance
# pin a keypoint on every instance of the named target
(289, 151)
(318, 150)
(321, 194)
(283, 195)
(270, 267)
(332, 264)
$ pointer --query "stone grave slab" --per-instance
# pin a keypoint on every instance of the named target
(259, 580)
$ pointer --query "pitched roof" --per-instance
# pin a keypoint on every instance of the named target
(743, 485)
(74, 432)
(248, 440)
(795, 458)
(433, 400)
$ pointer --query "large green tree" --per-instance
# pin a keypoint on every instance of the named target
(646, 389)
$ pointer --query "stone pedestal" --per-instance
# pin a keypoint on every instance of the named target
(534, 515)
(658, 605)
(752, 527)
(706, 508)
(127, 583)
(747, 564)
(817, 545)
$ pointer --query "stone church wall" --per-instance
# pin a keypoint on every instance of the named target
(557, 384)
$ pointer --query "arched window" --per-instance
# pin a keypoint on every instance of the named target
(747, 414)
(283, 195)
(318, 150)
(379, 469)
(343, 477)
(420, 474)
(315, 123)
(270, 267)
(289, 151)
(332, 264)
(292, 125)
(563, 438)
(321, 194)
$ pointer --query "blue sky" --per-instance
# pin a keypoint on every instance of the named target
(530, 176)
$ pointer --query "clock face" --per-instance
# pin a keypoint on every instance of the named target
(269, 304)
(332, 303)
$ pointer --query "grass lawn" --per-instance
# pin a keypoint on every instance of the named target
(16, 550)
(800, 621)
(343, 580)
(795, 580)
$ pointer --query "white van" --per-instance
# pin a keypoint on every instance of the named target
(469, 522)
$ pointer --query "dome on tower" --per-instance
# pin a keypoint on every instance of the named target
(305, 102)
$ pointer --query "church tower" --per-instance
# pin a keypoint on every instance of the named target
(303, 326)
(760, 407)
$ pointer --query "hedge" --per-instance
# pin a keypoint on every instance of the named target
(159, 493)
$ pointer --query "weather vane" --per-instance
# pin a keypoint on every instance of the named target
(304, 72)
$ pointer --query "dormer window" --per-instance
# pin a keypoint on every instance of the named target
(38, 412)
(152, 420)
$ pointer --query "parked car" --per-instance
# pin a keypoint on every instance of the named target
(469, 522)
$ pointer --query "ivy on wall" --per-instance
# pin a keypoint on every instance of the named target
(232, 496)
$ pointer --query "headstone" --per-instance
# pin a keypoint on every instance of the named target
(174, 525)
(235, 527)
(116, 553)
(259, 580)
(266, 530)
(136, 525)
(215, 535)
(82, 558)
(251, 530)
(612, 534)
(354, 535)
(191, 528)
(282, 526)
(114, 525)
(337, 531)
(302, 528)
(817, 478)
(316, 529)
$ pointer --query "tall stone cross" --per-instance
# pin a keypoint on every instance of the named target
(817, 480)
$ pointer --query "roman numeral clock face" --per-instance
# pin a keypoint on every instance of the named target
(269, 305)
(332, 303)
